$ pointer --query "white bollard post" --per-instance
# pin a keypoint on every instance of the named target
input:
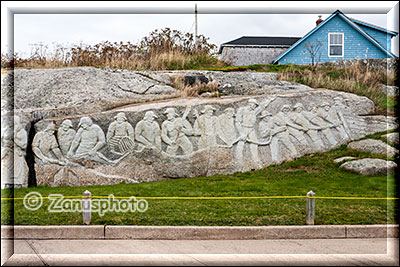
(310, 208)
(87, 207)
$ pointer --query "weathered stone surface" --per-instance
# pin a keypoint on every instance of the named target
(370, 166)
(374, 146)
(76, 142)
(63, 91)
(338, 160)
(14, 142)
(392, 137)
(199, 137)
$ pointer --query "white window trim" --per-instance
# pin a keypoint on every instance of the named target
(329, 46)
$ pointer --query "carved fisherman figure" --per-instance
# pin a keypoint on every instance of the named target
(20, 144)
(300, 117)
(13, 145)
(327, 121)
(174, 131)
(294, 121)
(147, 131)
(120, 135)
(339, 120)
(46, 148)
(206, 126)
(226, 127)
(88, 140)
(65, 135)
(305, 119)
(280, 136)
(246, 119)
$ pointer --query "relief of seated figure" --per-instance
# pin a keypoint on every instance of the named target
(120, 135)
(148, 132)
(65, 135)
(87, 142)
(174, 132)
(46, 148)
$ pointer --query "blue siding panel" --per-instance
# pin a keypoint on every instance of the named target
(383, 38)
(356, 46)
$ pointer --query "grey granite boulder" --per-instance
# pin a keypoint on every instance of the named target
(374, 146)
(84, 128)
(192, 137)
(370, 166)
(392, 137)
(338, 160)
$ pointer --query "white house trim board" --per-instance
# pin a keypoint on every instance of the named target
(329, 46)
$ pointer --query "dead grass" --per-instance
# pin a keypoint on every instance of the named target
(163, 49)
(354, 79)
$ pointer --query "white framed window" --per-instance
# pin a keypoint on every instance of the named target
(335, 44)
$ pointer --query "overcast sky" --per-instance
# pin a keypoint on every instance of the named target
(93, 28)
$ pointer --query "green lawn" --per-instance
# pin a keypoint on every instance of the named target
(315, 172)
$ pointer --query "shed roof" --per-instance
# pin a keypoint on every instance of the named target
(261, 41)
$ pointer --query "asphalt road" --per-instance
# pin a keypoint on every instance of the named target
(364, 252)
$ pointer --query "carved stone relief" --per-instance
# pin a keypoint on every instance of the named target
(46, 148)
(226, 129)
(148, 132)
(174, 132)
(280, 136)
(205, 126)
(244, 135)
(13, 150)
(65, 135)
(246, 119)
(120, 135)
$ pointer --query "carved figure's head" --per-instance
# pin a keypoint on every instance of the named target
(85, 122)
(208, 110)
(50, 128)
(253, 103)
(120, 117)
(230, 112)
(171, 113)
(299, 107)
(313, 108)
(65, 125)
(285, 109)
(326, 106)
(150, 116)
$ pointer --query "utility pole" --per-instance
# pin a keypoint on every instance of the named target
(195, 26)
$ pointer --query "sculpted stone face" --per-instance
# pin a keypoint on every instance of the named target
(285, 109)
(299, 109)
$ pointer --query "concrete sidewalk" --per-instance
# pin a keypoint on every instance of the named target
(375, 251)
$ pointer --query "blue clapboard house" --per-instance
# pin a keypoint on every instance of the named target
(339, 38)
